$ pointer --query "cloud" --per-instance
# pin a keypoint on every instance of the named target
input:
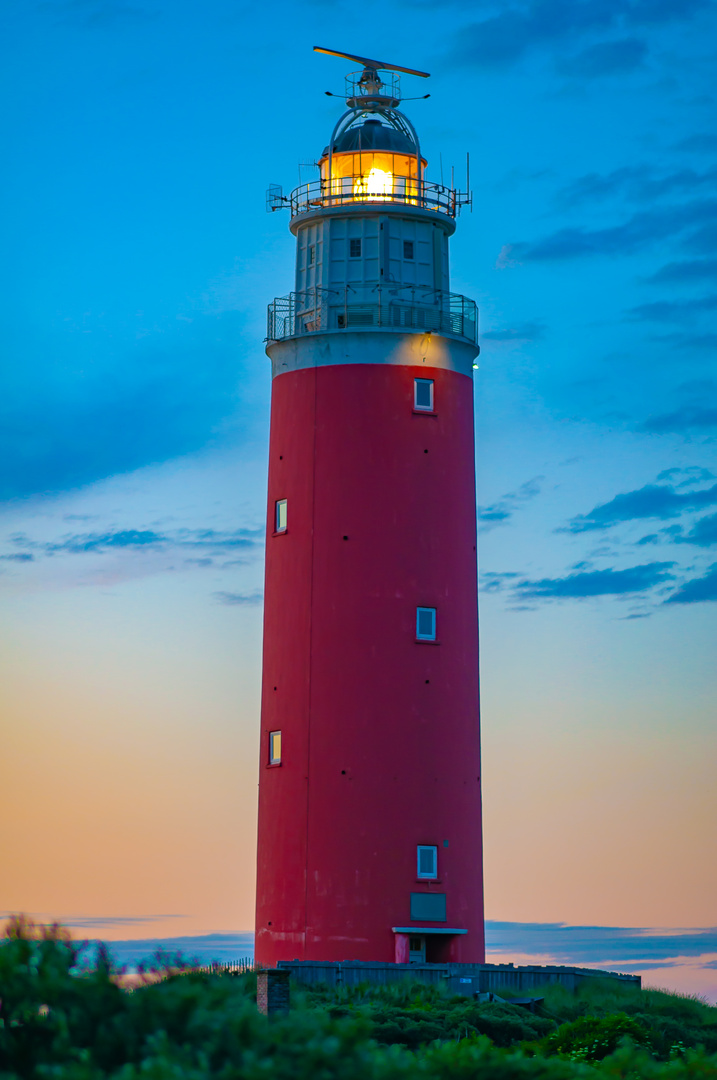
(599, 944)
(703, 143)
(682, 419)
(578, 586)
(101, 543)
(61, 429)
(20, 556)
(527, 331)
(703, 241)
(491, 581)
(686, 271)
(697, 591)
(689, 342)
(691, 474)
(240, 599)
(652, 501)
(635, 234)
(673, 310)
(638, 183)
(606, 58)
(703, 533)
(518, 29)
(96, 14)
(500, 511)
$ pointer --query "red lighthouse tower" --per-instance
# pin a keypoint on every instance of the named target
(369, 793)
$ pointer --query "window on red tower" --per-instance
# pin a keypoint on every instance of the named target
(426, 623)
(280, 516)
(427, 861)
(423, 394)
(275, 748)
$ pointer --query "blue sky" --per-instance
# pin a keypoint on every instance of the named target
(140, 139)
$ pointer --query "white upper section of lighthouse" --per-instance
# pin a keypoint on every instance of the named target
(372, 234)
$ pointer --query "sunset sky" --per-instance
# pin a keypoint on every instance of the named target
(139, 140)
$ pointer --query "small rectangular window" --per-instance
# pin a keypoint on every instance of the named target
(426, 623)
(312, 254)
(280, 516)
(355, 248)
(423, 394)
(427, 858)
(275, 748)
(408, 249)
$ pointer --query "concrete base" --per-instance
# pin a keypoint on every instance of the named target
(466, 979)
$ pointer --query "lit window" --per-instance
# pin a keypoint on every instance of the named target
(312, 253)
(408, 249)
(275, 748)
(423, 394)
(426, 623)
(355, 248)
(427, 859)
(280, 516)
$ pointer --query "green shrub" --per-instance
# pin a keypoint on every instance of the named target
(62, 1019)
(592, 1038)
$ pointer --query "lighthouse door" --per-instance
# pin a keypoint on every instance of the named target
(416, 949)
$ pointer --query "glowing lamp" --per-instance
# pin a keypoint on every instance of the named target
(372, 163)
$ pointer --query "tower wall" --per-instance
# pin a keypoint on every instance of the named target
(380, 742)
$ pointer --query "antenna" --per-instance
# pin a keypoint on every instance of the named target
(372, 63)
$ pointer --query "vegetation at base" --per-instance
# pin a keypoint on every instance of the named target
(62, 1019)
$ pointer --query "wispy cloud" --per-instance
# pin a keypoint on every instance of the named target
(527, 331)
(519, 29)
(499, 512)
(703, 533)
(101, 543)
(248, 599)
(660, 501)
(637, 183)
(605, 58)
(685, 418)
(673, 310)
(698, 590)
(492, 581)
(685, 271)
(599, 944)
(96, 14)
(637, 233)
(582, 584)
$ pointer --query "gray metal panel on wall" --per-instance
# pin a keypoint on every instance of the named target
(430, 907)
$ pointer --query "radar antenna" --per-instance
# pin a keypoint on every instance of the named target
(372, 65)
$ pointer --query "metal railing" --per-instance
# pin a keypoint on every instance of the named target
(404, 190)
(351, 307)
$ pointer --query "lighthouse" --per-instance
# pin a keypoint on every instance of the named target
(369, 835)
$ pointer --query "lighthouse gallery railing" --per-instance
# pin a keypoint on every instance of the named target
(405, 190)
(358, 306)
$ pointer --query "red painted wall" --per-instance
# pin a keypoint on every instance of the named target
(380, 741)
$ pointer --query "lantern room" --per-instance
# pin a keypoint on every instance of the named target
(371, 161)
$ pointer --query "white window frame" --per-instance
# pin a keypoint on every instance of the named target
(422, 408)
(280, 519)
(274, 757)
(434, 851)
(419, 635)
(355, 240)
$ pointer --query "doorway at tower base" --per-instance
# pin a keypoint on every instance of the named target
(466, 979)
(423, 944)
